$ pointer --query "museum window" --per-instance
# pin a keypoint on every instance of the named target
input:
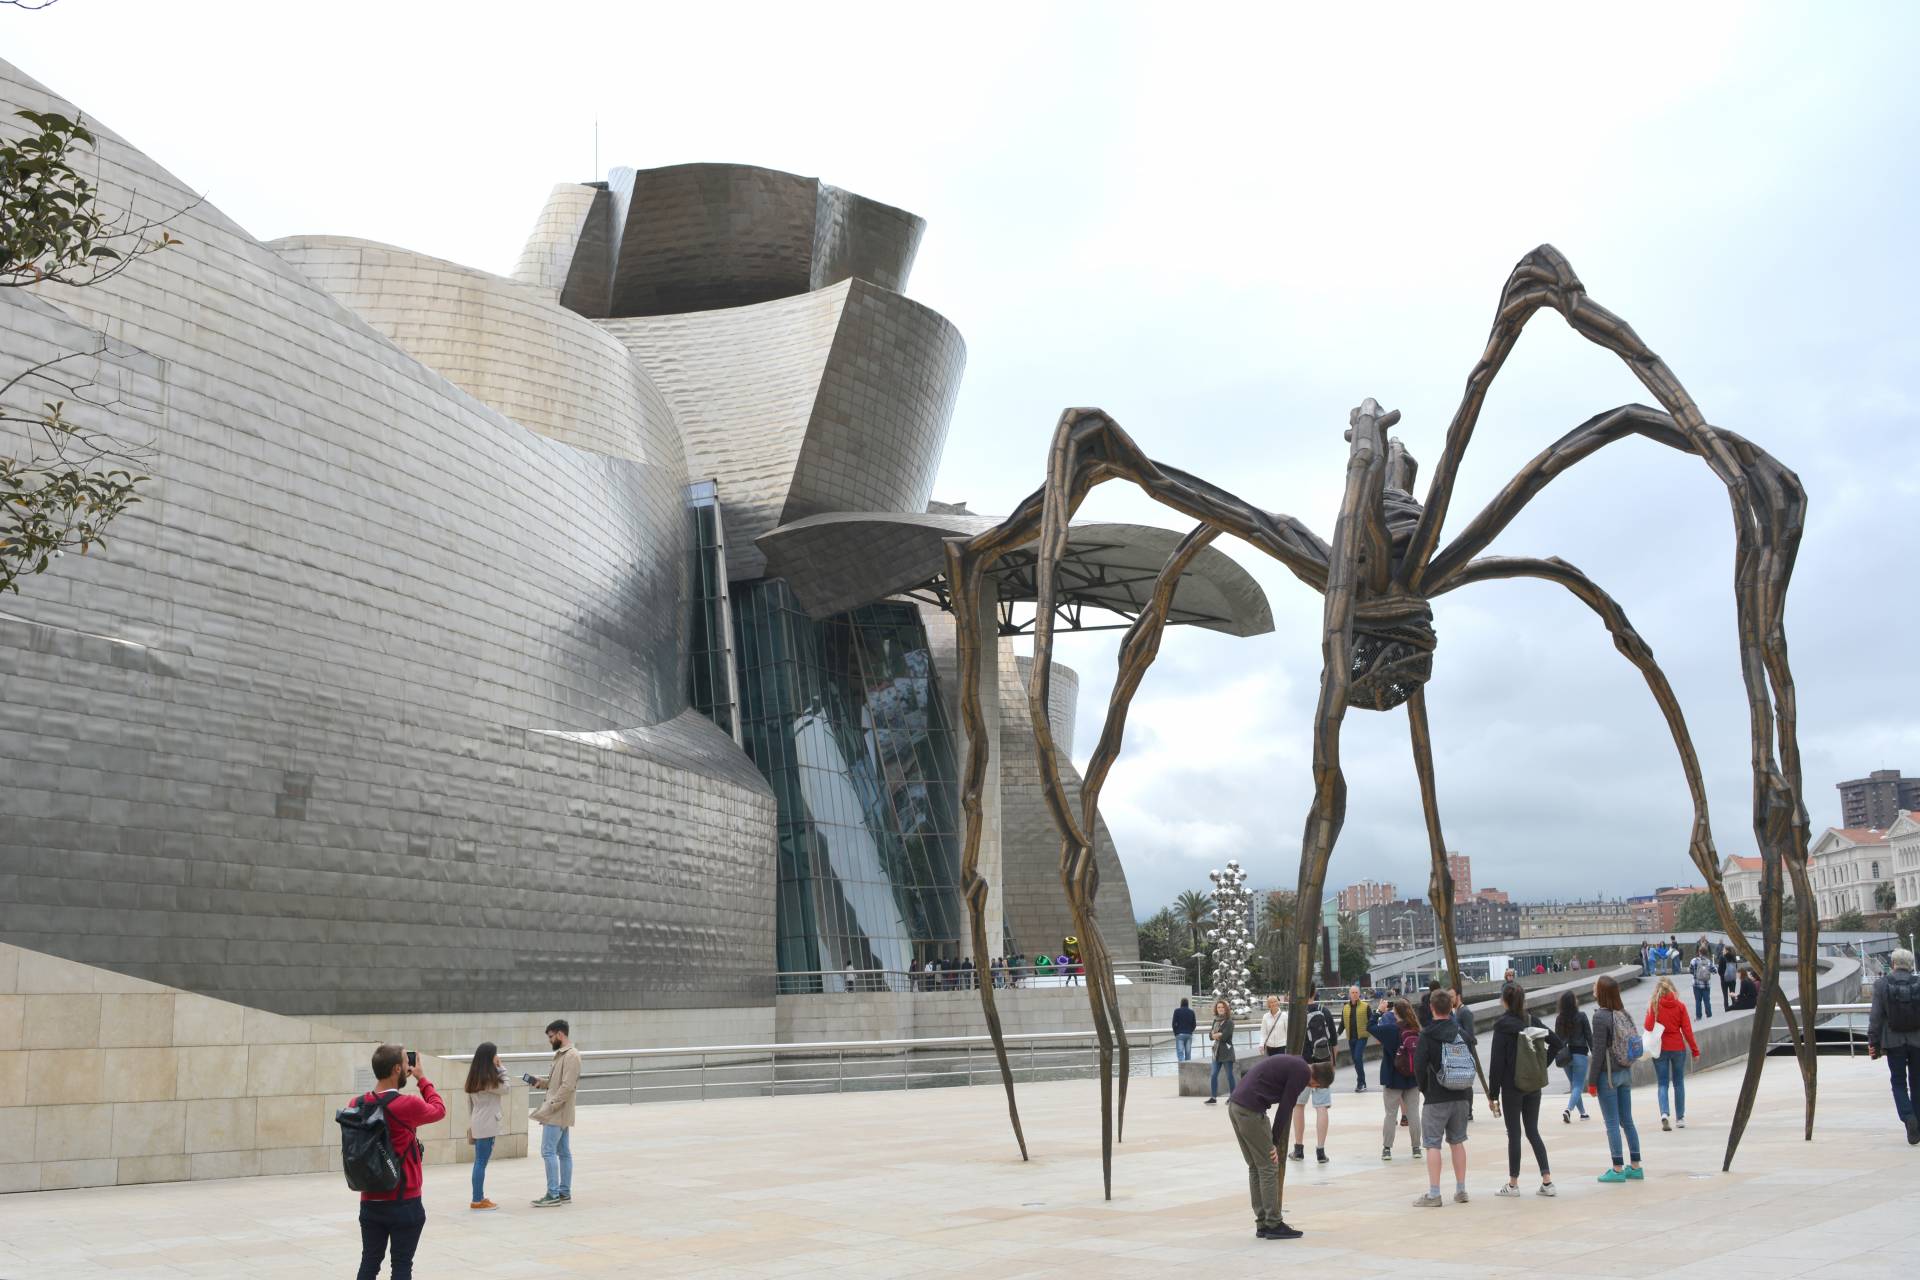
(845, 718)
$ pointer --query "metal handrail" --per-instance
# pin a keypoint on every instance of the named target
(859, 981)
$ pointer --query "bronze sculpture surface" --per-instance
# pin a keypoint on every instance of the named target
(1379, 574)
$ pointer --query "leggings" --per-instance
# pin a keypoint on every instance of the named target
(1213, 1080)
(1519, 1109)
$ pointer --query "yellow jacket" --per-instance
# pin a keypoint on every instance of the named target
(1353, 1020)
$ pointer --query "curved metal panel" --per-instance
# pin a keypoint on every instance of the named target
(369, 707)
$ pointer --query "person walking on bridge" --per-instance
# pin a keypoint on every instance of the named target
(1893, 1032)
(1703, 975)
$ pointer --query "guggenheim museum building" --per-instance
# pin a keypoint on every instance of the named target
(490, 647)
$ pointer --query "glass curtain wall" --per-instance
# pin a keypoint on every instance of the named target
(710, 677)
(845, 719)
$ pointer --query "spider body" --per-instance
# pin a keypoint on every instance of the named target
(1378, 575)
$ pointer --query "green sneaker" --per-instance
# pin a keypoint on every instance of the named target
(1612, 1175)
(1635, 1173)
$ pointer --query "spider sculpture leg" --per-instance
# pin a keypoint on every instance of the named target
(1440, 887)
(1768, 509)
(1138, 648)
(1088, 448)
(1629, 642)
(966, 576)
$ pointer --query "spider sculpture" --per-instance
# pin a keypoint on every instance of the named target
(1379, 574)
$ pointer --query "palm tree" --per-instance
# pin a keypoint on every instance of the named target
(1196, 909)
(1883, 896)
(1277, 939)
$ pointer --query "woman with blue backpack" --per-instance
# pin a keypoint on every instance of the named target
(1616, 1047)
(1523, 1049)
(1396, 1030)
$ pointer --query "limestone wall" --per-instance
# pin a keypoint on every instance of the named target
(106, 1079)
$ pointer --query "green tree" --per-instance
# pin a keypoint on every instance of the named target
(1743, 916)
(1849, 921)
(1696, 914)
(1193, 909)
(1884, 897)
(1159, 936)
(1275, 955)
(61, 490)
(1355, 956)
(1907, 925)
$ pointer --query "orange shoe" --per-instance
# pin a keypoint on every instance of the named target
(483, 1204)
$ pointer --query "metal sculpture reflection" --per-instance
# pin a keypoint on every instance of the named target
(1382, 569)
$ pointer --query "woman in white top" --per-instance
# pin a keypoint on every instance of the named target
(486, 1091)
(1273, 1028)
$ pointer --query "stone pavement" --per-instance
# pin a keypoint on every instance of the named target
(928, 1184)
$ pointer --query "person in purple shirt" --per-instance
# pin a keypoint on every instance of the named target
(1276, 1081)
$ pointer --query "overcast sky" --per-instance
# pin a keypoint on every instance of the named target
(1226, 231)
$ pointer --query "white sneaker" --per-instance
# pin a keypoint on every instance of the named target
(1507, 1189)
(1681, 1123)
(1547, 1189)
(1666, 1125)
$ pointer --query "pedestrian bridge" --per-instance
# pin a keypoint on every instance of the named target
(1423, 959)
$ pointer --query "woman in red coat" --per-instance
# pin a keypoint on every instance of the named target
(1676, 1040)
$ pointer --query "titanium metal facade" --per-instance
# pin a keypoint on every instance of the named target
(440, 671)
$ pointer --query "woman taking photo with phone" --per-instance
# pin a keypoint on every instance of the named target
(486, 1094)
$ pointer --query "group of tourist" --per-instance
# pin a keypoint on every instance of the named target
(1427, 1072)
(392, 1221)
(1004, 971)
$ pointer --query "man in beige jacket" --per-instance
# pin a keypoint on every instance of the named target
(555, 1115)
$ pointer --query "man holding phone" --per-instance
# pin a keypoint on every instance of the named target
(398, 1217)
(555, 1115)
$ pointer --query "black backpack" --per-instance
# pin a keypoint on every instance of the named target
(367, 1156)
(1903, 1002)
(1320, 1036)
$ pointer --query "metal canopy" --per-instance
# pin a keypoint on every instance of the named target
(839, 561)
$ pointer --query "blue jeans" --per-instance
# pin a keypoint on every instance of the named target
(482, 1152)
(1672, 1068)
(556, 1148)
(1616, 1108)
(1903, 1064)
(1702, 1000)
(1577, 1078)
(1183, 1046)
(1358, 1049)
(1213, 1081)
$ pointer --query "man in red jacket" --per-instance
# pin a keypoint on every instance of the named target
(398, 1216)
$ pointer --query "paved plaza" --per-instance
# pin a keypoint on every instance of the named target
(925, 1184)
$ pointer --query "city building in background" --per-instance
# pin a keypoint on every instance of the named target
(1460, 867)
(1571, 919)
(1491, 894)
(1903, 844)
(1875, 800)
(1741, 876)
(1657, 912)
(1368, 893)
(1846, 864)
